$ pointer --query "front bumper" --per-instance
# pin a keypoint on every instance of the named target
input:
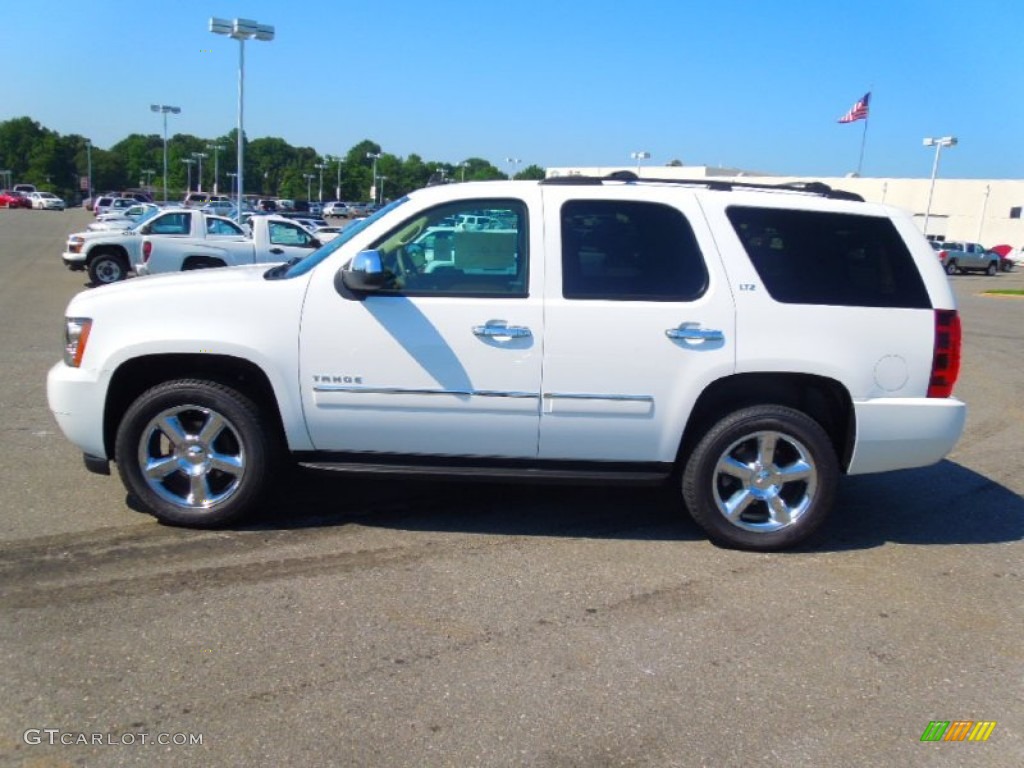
(76, 398)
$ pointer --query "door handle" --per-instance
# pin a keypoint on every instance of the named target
(277, 251)
(499, 329)
(693, 332)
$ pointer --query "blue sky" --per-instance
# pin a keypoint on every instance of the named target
(741, 83)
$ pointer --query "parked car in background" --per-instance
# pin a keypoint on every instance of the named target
(46, 201)
(11, 199)
(1008, 256)
(958, 257)
(336, 208)
(123, 219)
(24, 189)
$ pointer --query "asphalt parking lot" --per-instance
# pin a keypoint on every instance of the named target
(402, 624)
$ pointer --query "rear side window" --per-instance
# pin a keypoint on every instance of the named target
(629, 251)
(813, 257)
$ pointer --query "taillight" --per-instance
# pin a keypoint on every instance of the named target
(147, 248)
(946, 357)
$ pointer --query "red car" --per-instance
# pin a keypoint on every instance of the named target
(1006, 256)
(9, 199)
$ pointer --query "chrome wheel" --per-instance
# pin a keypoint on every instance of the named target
(192, 457)
(765, 482)
(761, 478)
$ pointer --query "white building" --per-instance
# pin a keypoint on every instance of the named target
(986, 211)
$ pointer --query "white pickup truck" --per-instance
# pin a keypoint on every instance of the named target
(274, 239)
(109, 256)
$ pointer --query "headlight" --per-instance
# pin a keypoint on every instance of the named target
(75, 244)
(76, 335)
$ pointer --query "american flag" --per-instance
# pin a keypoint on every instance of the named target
(858, 111)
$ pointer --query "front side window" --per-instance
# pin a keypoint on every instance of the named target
(840, 259)
(466, 248)
(629, 251)
(288, 234)
(171, 224)
(222, 227)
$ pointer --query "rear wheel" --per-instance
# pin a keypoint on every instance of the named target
(951, 268)
(106, 268)
(194, 452)
(763, 478)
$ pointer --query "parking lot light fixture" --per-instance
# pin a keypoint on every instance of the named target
(216, 149)
(232, 175)
(337, 159)
(241, 30)
(373, 188)
(189, 162)
(199, 159)
(463, 165)
(88, 160)
(321, 167)
(639, 157)
(165, 110)
(513, 162)
(382, 180)
(939, 143)
(149, 173)
(309, 184)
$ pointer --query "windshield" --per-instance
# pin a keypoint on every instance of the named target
(307, 263)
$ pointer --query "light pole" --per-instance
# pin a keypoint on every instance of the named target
(216, 149)
(320, 167)
(165, 110)
(199, 158)
(309, 183)
(337, 189)
(639, 157)
(189, 162)
(382, 180)
(373, 188)
(233, 177)
(463, 165)
(513, 162)
(241, 30)
(88, 156)
(149, 173)
(945, 141)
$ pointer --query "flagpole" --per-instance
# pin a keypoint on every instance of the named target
(863, 141)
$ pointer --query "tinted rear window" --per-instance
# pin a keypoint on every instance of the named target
(812, 257)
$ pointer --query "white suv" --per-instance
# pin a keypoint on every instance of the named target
(748, 344)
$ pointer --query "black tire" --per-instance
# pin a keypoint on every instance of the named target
(209, 439)
(107, 268)
(951, 268)
(738, 461)
(993, 269)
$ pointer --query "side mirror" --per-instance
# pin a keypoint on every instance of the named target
(313, 243)
(365, 273)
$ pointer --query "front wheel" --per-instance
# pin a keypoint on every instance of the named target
(993, 269)
(107, 268)
(763, 478)
(194, 452)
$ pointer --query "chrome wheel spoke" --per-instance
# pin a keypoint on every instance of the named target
(736, 504)
(779, 511)
(231, 465)
(172, 430)
(211, 429)
(736, 468)
(199, 490)
(798, 470)
(158, 469)
(766, 448)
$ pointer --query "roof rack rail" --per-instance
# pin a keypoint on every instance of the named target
(719, 185)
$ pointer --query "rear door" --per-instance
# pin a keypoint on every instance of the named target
(639, 320)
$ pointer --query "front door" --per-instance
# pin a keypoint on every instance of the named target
(446, 359)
